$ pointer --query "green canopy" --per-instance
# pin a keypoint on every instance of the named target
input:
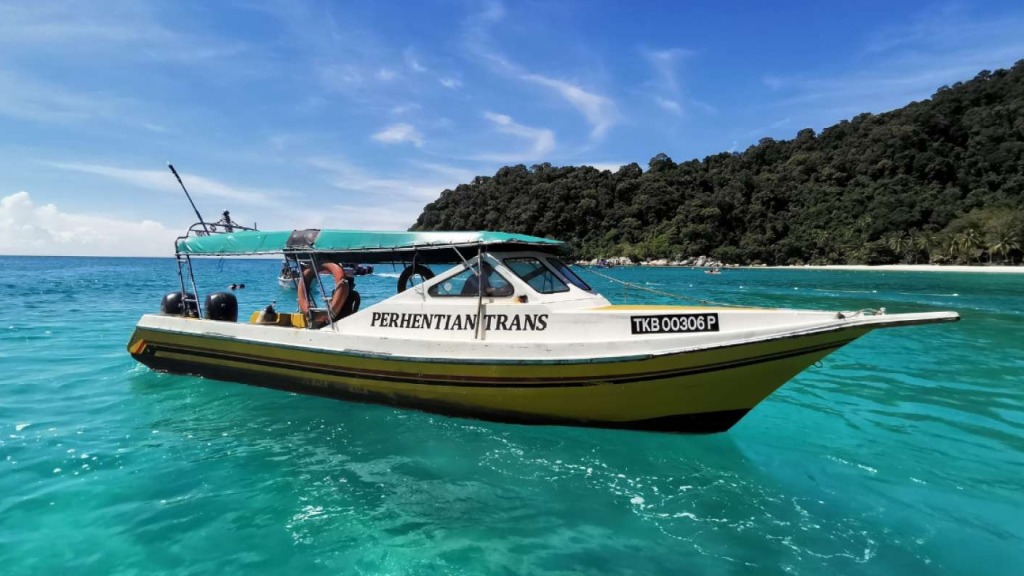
(364, 246)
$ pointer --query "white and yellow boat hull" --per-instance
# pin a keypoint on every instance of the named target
(675, 382)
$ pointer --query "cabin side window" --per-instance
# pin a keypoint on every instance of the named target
(569, 275)
(536, 274)
(467, 283)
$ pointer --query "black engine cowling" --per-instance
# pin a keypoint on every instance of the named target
(179, 304)
(222, 306)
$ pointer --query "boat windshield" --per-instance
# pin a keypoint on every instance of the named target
(467, 283)
(569, 274)
(536, 274)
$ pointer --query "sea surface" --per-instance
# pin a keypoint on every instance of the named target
(902, 454)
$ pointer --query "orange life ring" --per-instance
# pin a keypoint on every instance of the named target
(341, 288)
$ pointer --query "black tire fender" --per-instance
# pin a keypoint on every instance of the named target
(409, 272)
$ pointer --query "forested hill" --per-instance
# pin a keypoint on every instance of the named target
(938, 180)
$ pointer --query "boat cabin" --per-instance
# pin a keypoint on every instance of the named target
(499, 283)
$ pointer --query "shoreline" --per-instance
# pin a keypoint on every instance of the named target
(994, 269)
(983, 269)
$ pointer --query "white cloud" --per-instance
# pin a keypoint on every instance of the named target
(160, 129)
(38, 23)
(664, 63)
(400, 133)
(947, 27)
(393, 216)
(666, 91)
(610, 166)
(340, 77)
(450, 173)
(386, 74)
(375, 202)
(280, 141)
(28, 229)
(599, 111)
(903, 63)
(823, 101)
(403, 108)
(450, 83)
(669, 105)
(494, 11)
(28, 99)
(164, 181)
(477, 36)
(78, 30)
(767, 129)
(413, 190)
(542, 140)
(412, 62)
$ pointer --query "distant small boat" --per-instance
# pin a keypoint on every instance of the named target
(288, 283)
(288, 278)
(713, 271)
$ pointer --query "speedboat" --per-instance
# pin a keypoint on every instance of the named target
(288, 281)
(508, 333)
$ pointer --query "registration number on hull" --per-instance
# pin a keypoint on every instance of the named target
(669, 323)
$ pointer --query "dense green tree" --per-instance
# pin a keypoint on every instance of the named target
(939, 180)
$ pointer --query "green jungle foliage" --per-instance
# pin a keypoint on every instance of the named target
(938, 181)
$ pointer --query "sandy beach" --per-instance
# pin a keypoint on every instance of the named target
(912, 268)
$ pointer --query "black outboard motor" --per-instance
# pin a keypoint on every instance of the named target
(222, 306)
(180, 304)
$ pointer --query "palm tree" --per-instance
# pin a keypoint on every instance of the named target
(966, 243)
(822, 241)
(1004, 241)
(898, 243)
(952, 248)
(925, 242)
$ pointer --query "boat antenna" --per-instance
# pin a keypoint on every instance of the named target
(189, 196)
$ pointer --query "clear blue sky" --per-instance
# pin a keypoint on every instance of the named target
(355, 114)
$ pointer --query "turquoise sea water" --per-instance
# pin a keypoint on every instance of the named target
(903, 454)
